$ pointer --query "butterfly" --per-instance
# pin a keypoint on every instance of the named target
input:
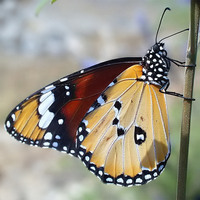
(112, 116)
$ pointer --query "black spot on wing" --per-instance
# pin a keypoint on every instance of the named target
(118, 105)
(120, 131)
(104, 97)
(140, 135)
(115, 121)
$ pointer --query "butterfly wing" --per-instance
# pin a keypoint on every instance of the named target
(124, 138)
(50, 117)
(120, 133)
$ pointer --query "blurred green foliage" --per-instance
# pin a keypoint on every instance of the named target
(42, 4)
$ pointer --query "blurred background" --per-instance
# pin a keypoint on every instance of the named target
(68, 36)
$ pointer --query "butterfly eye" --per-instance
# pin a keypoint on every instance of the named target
(156, 48)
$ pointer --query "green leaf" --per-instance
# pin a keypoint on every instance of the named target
(41, 5)
(53, 1)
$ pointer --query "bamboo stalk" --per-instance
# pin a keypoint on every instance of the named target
(187, 105)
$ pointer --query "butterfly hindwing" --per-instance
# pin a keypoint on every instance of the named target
(124, 139)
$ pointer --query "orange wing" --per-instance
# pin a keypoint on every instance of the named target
(50, 117)
(124, 138)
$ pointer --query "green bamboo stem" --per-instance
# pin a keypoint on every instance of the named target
(187, 105)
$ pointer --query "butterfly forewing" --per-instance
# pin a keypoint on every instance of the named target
(50, 117)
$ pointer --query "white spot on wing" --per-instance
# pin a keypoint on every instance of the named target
(161, 168)
(148, 176)
(48, 136)
(67, 87)
(65, 148)
(63, 79)
(140, 137)
(138, 180)
(13, 117)
(67, 93)
(93, 168)
(81, 153)
(88, 130)
(143, 77)
(80, 129)
(60, 121)
(72, 151)
(46, 119)
(90, 109)
(129, 181)
(100, 100)
(55, 144)
(46, 144)
(155, 174)
(111, 84)
(43, 107)
(45, 95)
(120, 180)
(87, 158)
(8, 124)
(58, 137)
(109, 179)
(48, 88)
(150, 78)
(100, 173)
(85, 122)
(81, 138)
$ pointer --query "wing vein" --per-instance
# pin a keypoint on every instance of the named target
(111, 106)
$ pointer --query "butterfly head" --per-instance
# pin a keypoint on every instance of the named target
(159, 48)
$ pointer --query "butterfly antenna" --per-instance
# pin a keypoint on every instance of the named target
(160, 23)
(187, 29)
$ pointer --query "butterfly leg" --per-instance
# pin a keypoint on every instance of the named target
(179, 63)
(164, 88)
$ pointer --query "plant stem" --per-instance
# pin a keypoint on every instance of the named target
(187, 105)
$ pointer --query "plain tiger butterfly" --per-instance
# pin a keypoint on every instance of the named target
(112, 116)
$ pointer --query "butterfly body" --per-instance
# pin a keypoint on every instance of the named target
(156, 65)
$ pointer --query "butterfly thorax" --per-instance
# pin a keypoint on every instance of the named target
(156, 65)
